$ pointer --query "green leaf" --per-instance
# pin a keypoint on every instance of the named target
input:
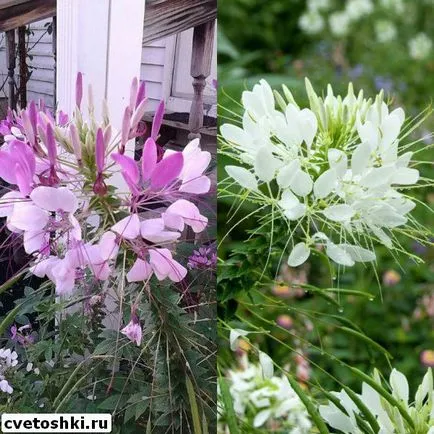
(193, 406)
(110, 403)
(228, 405)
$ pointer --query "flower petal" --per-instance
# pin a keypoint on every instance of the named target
(128, 227)
(243, 177)
(54, 199)
(167, 170)
(141, 270)
(299, 255)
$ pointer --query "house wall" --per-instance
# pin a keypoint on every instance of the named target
(165, 68)
(40, 61)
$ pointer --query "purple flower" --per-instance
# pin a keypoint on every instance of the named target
(383, 83)
(356, 72)
(205, 257)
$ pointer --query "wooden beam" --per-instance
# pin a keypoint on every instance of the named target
(8, 3)
(25, 13)
(168, 17)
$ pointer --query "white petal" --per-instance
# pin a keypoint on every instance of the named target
(267, 364)
(325, 184)
(405, 176)
(360, 158)
(299, 255)
(399, 385)
(288, 200)
(287, 173)
(234, 335)
(301, 183)
(243, 177)
(339, 255)
(339, 213)
(338, 160)
(359, 254)
(261, 418)
(377, 177)
(266, 164)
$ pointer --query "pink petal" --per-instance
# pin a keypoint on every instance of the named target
(129, 167)
(54, 199)
(190, 213)
(64, 278)
(137, 116)
(158, 119)
(173, 221)
(7, 202)
(165, 266)
(149, 158)
(35, 241)
(7, 168)
(43, 268)
(167, 170)
(153, 230)
(28, 217)
(24, 179)
(128, 227)
(109, 248)
(141, 270)
(28, 128)
(75, 232)
(200, 185)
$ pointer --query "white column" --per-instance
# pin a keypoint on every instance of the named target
(103, 40)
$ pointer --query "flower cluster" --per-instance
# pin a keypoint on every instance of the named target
(62, 201)
(346, 416)
(385, 17)
(266, 401)
(8, 360)
(205, 257)
(334, 171)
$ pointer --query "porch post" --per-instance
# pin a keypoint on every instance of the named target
(201, 59)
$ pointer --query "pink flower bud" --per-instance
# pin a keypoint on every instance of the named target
(76, 143)
(79, 89)
(141, 93)
(158, 119)
(133, 330)
(133, 93)
(126, 123)
(100, 151)
(51, 145)
(100, 187)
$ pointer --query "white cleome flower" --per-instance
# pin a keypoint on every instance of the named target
(337, 166)
(420, 46)
(339, 23)
(311, 22)
(349, 418)
(357, 9)
(259, 398)
(385, 31)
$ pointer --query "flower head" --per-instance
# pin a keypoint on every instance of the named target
(334, 171)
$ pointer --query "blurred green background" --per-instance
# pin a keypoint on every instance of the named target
(378, 44)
